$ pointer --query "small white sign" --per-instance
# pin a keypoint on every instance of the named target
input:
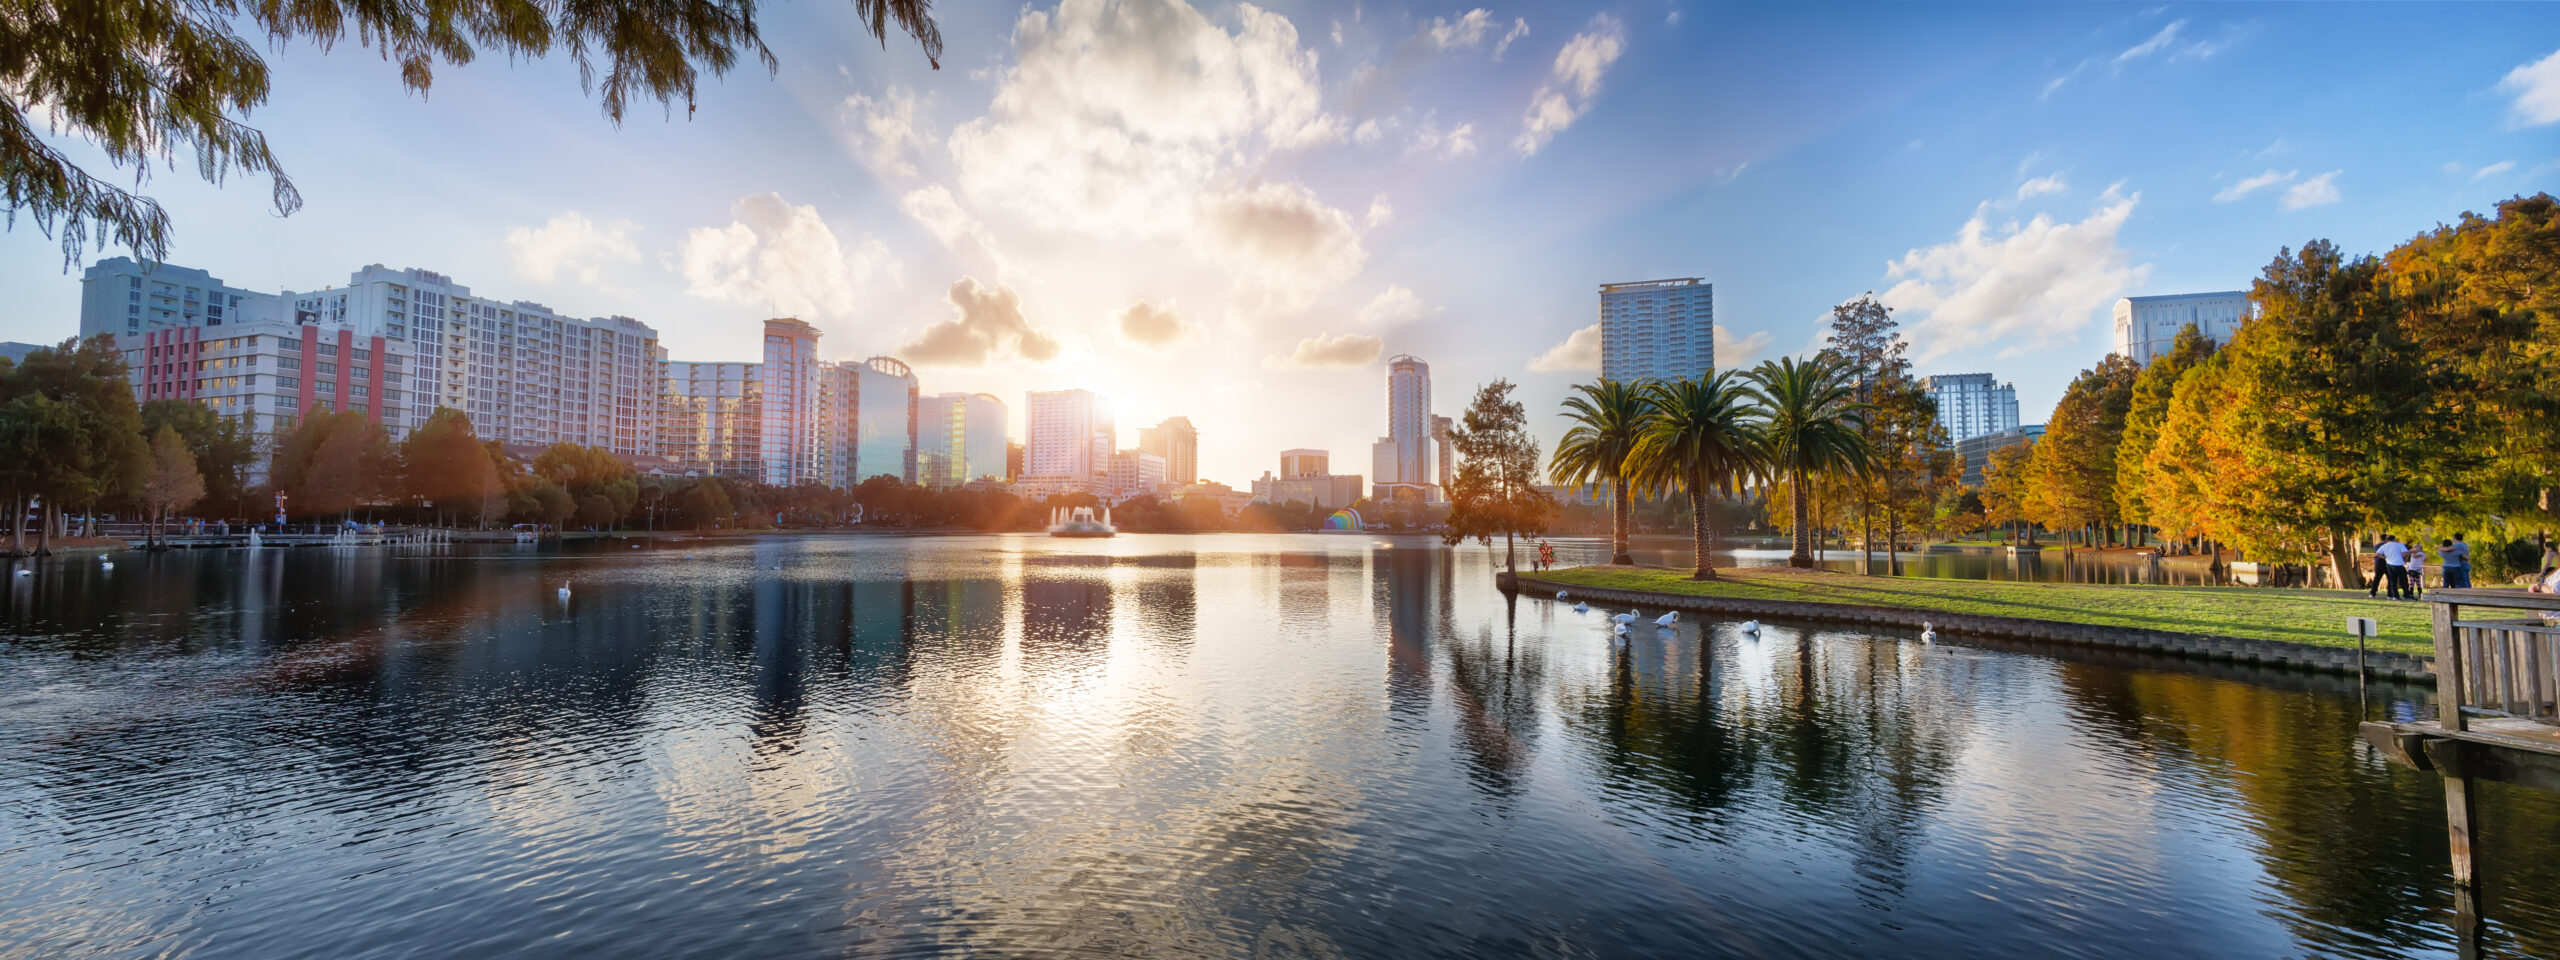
(2363, 627)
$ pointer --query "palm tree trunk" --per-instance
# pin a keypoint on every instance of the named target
(1802, 555)
(1701, 531)
(1866, 532)
(1619, 552)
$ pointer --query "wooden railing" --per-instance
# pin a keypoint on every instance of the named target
(2496, 656)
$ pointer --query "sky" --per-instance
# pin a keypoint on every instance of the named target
(1235, 212)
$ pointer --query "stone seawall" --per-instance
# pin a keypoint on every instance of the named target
(2384, 665)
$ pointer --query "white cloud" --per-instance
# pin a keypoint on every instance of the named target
(1370, 131)
(2253, 185)
(2318, 191)
(2056, 83)
(1459, 141)
(2050, 183)
(1519, 29)
(1733, 353)
(2494, 169)
(1466, 32)
(1579, 351)
(782, 257)
(1283, 246)
(2158, 41)
(933, 206)
(2536, 87)
(1115, 117)
(1142, 119)
(989, 326)
(571, 244)
(1321, 352)
(882, 132)
(2280, 146)
(1577, 69)
(1391, 306)
(1148, 325)
(2026, 285)
(1381, 212)
(1462, 140)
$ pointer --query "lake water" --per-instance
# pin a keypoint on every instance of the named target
(1308, 746)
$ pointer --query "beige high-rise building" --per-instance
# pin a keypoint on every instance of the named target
(1179, 444)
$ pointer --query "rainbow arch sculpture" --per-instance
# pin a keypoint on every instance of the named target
(1343, 519)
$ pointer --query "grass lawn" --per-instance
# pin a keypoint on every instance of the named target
(2316, 617)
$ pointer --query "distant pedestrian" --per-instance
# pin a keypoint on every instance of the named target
(2457, 563)
(2415, 563)
(2388, 574)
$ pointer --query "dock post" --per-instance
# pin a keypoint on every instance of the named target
(2460, 807)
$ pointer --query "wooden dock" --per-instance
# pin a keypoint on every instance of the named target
(2497, 714)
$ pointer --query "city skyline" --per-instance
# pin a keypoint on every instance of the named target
(1385, 189)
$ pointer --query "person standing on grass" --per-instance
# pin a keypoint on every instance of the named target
(2388, 574)
(2415, 562)
(2457, 563)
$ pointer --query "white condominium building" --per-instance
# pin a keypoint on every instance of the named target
(1135, 473)
(1657, 330)
(790, 432)
(1403, 458)
(711, 418)
(123, 297)
(269, 374)
(2147, 327)
(1973, 404)
(523, 373)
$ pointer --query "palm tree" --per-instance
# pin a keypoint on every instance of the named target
(1607, 420)
(1701, 436)
(1813, 428)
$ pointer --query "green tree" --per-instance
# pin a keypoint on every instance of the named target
(146, 80)
(222, 446)
(1701, 437)
(2336, 404)
(102, 458)
(705, 505)
(2145, 410)
(2004, 488)
(1494, 489)
(40, 452)
(593, 472)
(172, 483)
(1815, 426)
(2482, 301)
(1607, 418)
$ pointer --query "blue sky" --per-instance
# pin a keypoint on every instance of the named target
(1231, 212)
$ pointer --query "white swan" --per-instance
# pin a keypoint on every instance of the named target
(1619, 629)
(1667, 619)
(1928, 632)
(564, 592)
(1577, 608)
(106, 564)
(26, 573)
(1751, 626)
(1627, 617)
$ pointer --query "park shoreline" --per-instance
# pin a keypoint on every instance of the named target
(2381, 664)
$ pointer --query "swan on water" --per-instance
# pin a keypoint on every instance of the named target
(1751, 626)
(106, 564)
(1627, 617)
(564, 591)
(1577, 608)
(1559, 594)
(1667, 619)
(1928, 632)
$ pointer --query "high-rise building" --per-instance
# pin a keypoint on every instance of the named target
(1403, 457)
(1972, 404)
(1304, 463)
(791, 445)
(2147, 326)
(124, 297)
(711, 418)
(269, 374)
(1976, 451)
(1179, 444)
(1068, 438)
(1657, 330)
(523, 373)
(1013, 452)
(960, 437)
(1135, 473)
(1441, 454)
(885, 425)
